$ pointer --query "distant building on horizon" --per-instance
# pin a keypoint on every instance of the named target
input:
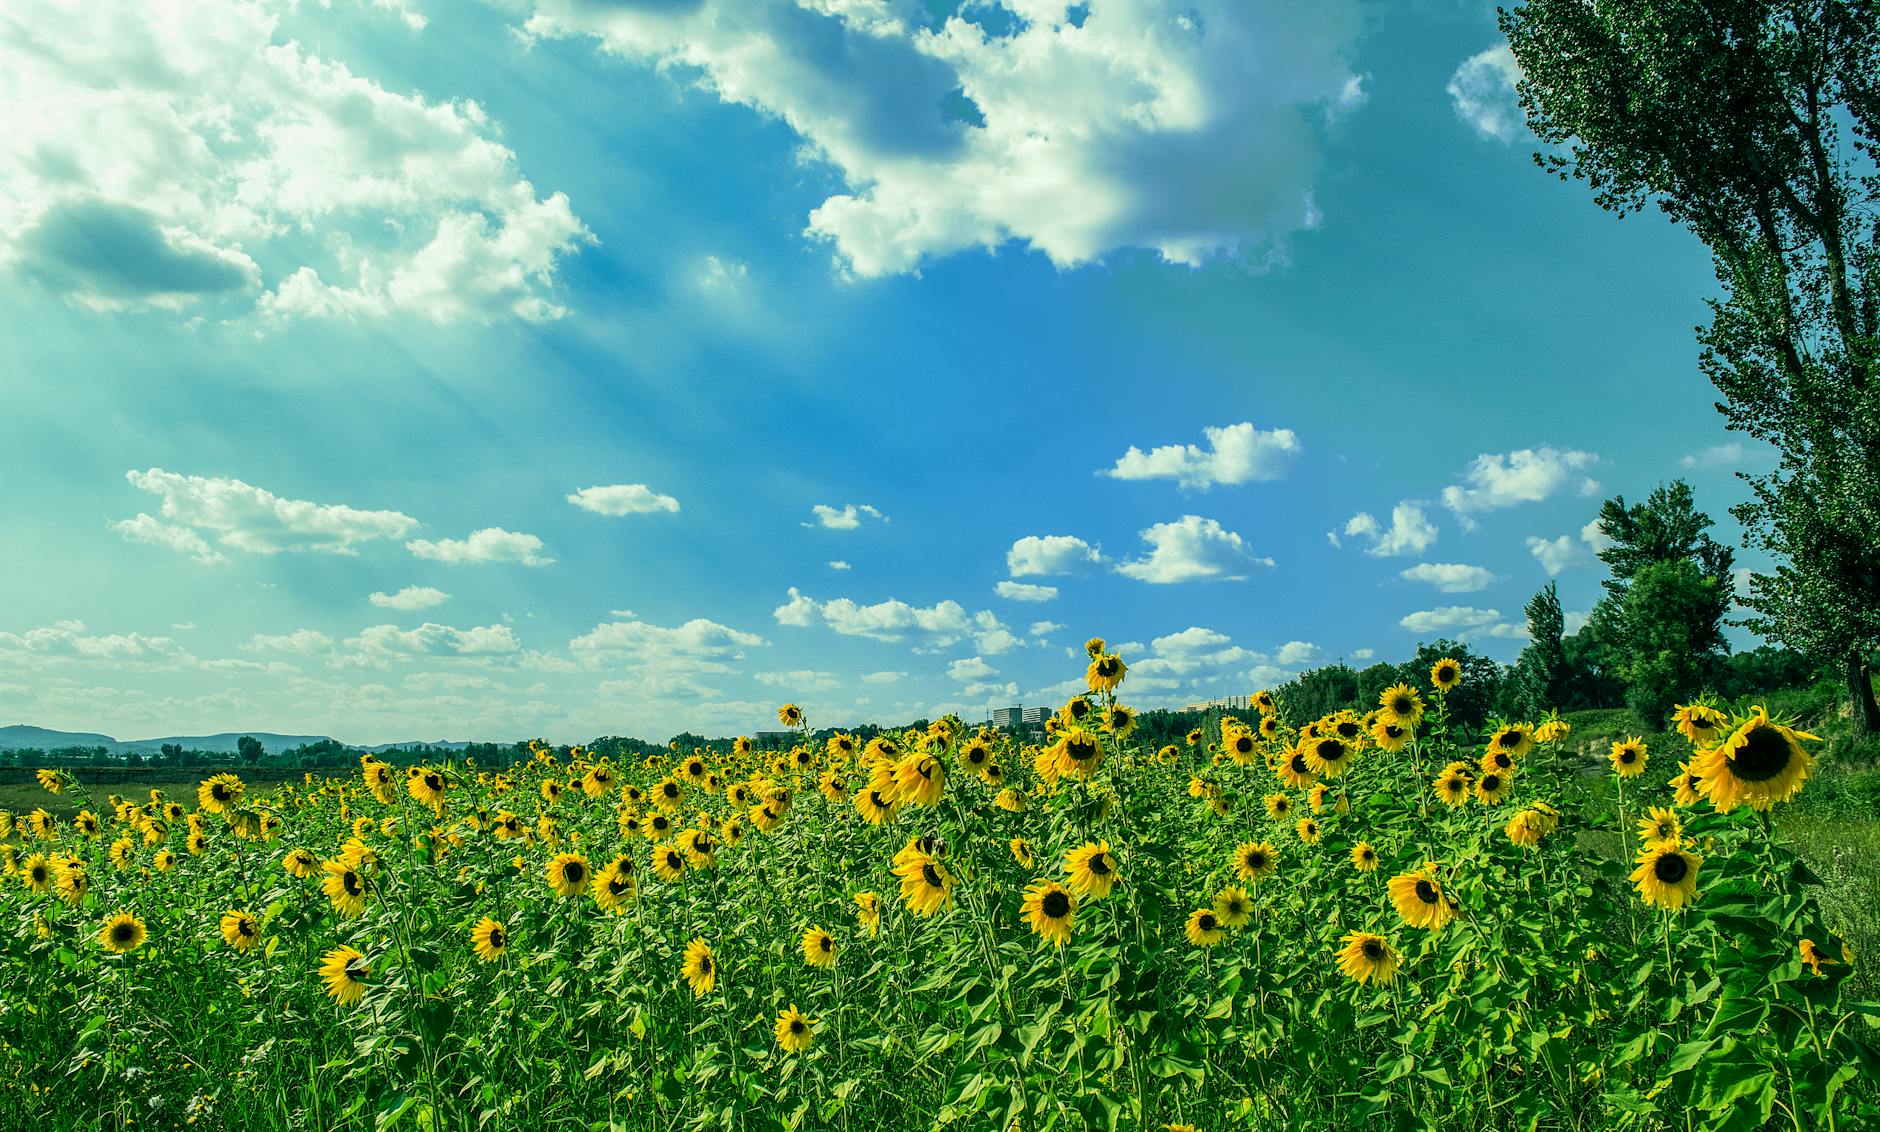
(1008, 718)
(1229, 703)
(1035, 716)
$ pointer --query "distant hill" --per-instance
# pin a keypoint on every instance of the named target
(23, 735)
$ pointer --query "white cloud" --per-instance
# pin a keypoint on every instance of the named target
(411, 597)
(1363, 654)
(1049, 555)
(1554, 554)
(1043, 628)
(247, 518)
(379, 642)
(1574, 620)
(301, 642)
(698, 645)
(846, 518)
(186, 154)
(152, 531)
(1450, 618)
(971, 668)
(801, 680)
(838, 564)
(722, 274)
(1507, 630)
(1292, 654)
(1451, 577)
(1190, 127)
(1192, 549)
(883, 677)
(1527, 475)
(1483, 92)
(623, 499)
(1594, 535)
(1025, 591)
(1410, 531)
(70, 641)
(937, 626)
(1235, 454)
(491, 544)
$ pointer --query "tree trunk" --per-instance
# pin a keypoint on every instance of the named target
(1860, 687)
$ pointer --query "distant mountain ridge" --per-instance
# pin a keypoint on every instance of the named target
(21, 735)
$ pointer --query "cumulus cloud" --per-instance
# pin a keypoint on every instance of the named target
(1049, 555)
(411, 597)
(936, 626)
(161, 152)
(798, 681)
(637, 642)
(623, 499)
(1043, 628)
(968, 669)
(1363, 654)
(1558, 553)
(838, 564)
(1450, 618)
(1292, 654)
(1482, 90)
(1025, 591)
(302, 642)
(1450, 577)
(491, 544)
(1527, 475)
(845, 518)
(250, 519)
(882, 677)
(1192, 549)
(1410, 531)
(1729, 456)
(1235, 454)
(1189, 127)
(431, 639)
(70, 640)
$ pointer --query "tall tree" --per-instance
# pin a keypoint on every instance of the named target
(1541, 676)
(1756, 125)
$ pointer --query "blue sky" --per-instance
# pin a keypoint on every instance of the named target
(1244, 336)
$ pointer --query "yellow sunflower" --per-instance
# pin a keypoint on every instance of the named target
(1203, 928)
(819, 948)
(1233, 906)
(868, 912)
(345, 972)
(1660, 827)
(1628, 757)
(1761, 763)
(344, 887)
(1420, 899)
(926, 885)
(1445, 674)
(1049, 908)
(122, 933)
(1091, 868)
(1364, 857)
(700, 968)
(1255, 860)
(1400, 704)
(240, 930)
(489, 939)
(794, 1032)
(1368, 957)
(1106, 671)
(1666, 876)
(568, 875)
(1701, 724)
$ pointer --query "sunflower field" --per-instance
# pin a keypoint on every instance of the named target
(1377, 921)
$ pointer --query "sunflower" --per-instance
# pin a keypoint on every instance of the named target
(1203, 928)
(1700, 723)
(344, 971)
(1119, 720)
(71, 880)
(1420, 899)
(794, 1032)
(1255, 861)
(1363, 857)
(1078, 753)
(122, 933)
(1659, 827)
(920, 779)
(344, 887)
(1390, 736)
(1685, 787)
(1049, 908)
(240, 929)
(86, 823)
(790, 715)
(1812, 956)
(1328, 755)
(489, 939)
(874, 806)
(1512, 739)
(1308, 830)
(1400, 704)
(1453, 784)
(1021, 852)
(1523, 830)
(426, 787)
(1091, 868)
(1628, 757)
(219, 792)
(1368, 956)
(1106, 671)
(668, 863)
(1279, 805)
(1295, 771)
(1445, 674)
(1491, 788)
(1666, 876)
(164, 860)
(926, 885)
(700, 967)
(1761, 763)
(668, 794)
(819, 948)
(1233, 906)
(53, 781)
(868, 912)
(568, 875)
(1240, 744)
(36, 874)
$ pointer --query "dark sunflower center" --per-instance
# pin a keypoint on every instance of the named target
(350, 882)
(356, 970)
(705, 966)
(244, 928)
(975, 755)
(1426, 892)
(1298, 764)
(824, 943)
(1330, 750)
(1243, 744)
(931, 876)
(1106, 667)
(497, 939)
(1056, 904)
(1256, 861)
(219, 792)
(1491, 782)
(1100, 864)
(1373, 949)
(1763, 755)
(573, 872)
(1401, 705)
(1671, 868)
(796, 1024)
(1367, 854)
(1206, 922)
(619, 886)
(1392, 731)
(123, 933)
(1628, 756)
(433, 782)
(1236, 908)
(1080, 750)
